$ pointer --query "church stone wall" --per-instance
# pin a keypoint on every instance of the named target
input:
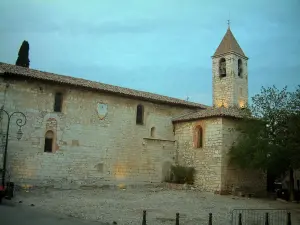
(87, 150)
(233, 178)
(206, 160)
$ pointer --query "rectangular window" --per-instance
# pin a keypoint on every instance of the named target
(58, 102)
(140, 114)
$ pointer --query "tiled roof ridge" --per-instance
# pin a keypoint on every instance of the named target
(63, 79)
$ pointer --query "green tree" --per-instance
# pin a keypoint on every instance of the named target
(269, 139)
(23, 56)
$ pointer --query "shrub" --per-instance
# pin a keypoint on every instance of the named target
(182, 174)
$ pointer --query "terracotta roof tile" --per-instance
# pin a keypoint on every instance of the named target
(229, 44)
(211, 112)
(9, 69)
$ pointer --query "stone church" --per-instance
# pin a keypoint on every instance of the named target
(80, 132)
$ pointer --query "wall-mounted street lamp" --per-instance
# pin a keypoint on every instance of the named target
(20, 123)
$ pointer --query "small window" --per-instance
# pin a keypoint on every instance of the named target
(152, 132)
(58, 102)
(222, 67)
(49, 141)
(198, 137)
(240, 68)
(140, 114)
(241, 91)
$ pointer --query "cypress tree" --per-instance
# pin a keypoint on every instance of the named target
(23, 56)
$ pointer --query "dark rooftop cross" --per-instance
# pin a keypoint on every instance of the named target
(228, 21)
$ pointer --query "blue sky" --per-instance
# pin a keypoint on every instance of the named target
(160, 46)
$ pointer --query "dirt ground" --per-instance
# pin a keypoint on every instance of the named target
(126, 206)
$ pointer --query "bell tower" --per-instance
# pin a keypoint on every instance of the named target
(230, 73)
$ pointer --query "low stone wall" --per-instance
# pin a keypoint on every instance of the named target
(158, 186)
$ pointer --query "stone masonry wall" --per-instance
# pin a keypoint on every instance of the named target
(232, 89)
(213, 172)
(87, 150)
(233, 177)
(206, 160)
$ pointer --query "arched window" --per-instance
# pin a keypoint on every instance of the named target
(152, 132)
(240, 68)
(49, 136)
(58, 102)
(222, 67)
(198, 137)
(140, 114)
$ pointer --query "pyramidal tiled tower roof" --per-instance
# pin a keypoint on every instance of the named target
(229, 44)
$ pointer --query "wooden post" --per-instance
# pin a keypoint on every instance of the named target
(240, 219)
(289, 221)
(267, 219)
(177, 219)
(210, 219)
(144, 218)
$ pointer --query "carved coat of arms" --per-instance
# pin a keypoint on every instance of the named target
(102, 110)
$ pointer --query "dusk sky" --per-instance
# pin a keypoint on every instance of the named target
(160, 46)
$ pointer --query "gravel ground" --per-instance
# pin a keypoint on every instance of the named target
(126, 206)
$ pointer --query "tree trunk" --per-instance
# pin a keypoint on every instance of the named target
(292, 183)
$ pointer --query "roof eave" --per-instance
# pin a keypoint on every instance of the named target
(194, 106)
(205, 117)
